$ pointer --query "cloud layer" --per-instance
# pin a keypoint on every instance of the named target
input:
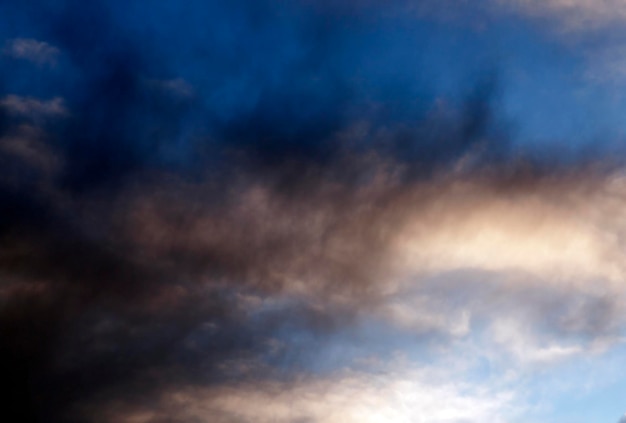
(268, 219)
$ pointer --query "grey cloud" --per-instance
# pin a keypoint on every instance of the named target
(173, 281)
(177, 87)
(345, 397)
(33, 107)
(38, 52)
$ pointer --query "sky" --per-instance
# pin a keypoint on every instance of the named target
(313, 211)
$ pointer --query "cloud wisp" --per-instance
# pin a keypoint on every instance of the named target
(38, 52)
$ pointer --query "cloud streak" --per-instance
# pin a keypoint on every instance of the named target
(577, 15)
(38, 52)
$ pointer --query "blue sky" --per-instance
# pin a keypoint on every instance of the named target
(313, 211)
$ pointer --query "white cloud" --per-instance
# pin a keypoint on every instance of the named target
(558, 231)
(513, 337)
(38, 52)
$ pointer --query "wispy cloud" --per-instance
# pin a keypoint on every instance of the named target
(34, 107)
(574, 15)
(177, 87)
(38, 52)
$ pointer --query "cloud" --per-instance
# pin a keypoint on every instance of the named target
(565, 239)
(564, 226)
(401, 396)
(414, 257)
(582, 29)
(33, 107)
(263, 277)
(28, 145)
(587, 27)
(178, 87)
(576, 15)
(38, 52)
(254, 251)
(571, 17)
